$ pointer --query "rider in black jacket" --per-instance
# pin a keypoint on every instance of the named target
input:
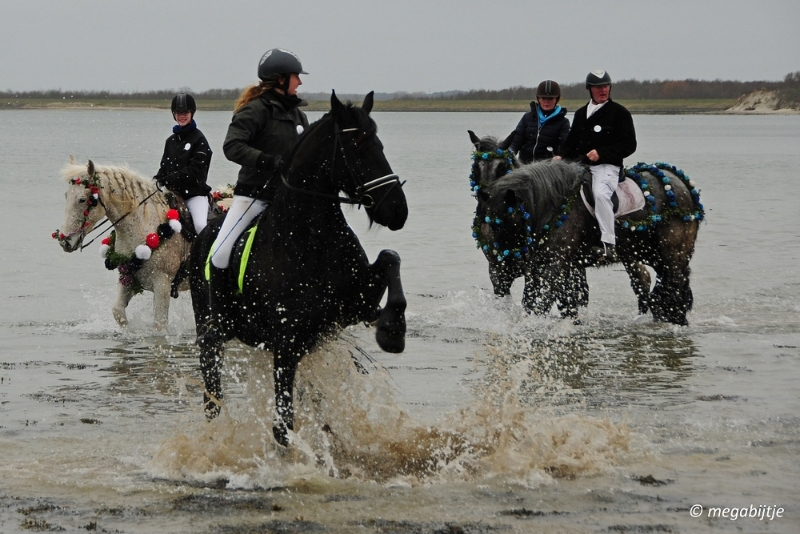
(187, 156)
(602, 136)
(543, 129)
(265, 125)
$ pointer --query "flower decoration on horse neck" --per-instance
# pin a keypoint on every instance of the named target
(219, 196)
(478, 157)
(696, 213)
(531, 237)
(497, 222)
(92, 184)
(128, 265)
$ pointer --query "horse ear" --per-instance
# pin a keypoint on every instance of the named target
(368, 101)
(90, 168)
(474, 138)
(336, 105)
(71, 159)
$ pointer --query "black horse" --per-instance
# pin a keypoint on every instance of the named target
(308, 276)
(534, 216)
(491, 161)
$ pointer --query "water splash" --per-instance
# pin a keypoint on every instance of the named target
(350, 425)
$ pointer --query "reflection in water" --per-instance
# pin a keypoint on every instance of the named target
(594, 367)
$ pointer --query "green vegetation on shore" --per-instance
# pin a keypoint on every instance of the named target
(644, 97)
(653, 106)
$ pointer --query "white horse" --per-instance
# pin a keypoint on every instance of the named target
(136, 209)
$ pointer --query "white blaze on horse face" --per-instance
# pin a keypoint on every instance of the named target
(77, 196)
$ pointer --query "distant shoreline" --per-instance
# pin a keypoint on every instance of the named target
(641, 107)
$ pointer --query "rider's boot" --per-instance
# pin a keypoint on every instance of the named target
(212, 333)
(606, 252)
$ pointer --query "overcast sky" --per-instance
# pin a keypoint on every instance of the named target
(355, 46)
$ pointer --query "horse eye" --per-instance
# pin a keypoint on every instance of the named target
(81, 200)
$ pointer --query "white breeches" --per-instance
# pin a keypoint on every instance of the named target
(605, 178)
(241, 213)
(198, 208)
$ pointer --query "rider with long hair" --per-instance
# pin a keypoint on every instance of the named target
(265, 125)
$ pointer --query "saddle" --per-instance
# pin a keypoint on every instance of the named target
(177, 203)
(240, 254)
(626, 199)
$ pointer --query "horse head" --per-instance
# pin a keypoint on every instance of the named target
(360, 167)
(491, 160)
(83, 208)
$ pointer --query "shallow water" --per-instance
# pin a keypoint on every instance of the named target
(491, 421)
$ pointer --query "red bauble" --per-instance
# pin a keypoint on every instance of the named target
(173, 215)
(152, 241)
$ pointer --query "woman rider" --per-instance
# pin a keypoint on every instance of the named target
(265, 125)
(541, 131)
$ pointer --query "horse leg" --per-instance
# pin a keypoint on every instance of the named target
(672, 297)
(501, 279)
(283, 373)
(210, 369)
(573, 291)
(391, 327)
(537, 297)
(162, 286)
(124, 296)
(640, 282)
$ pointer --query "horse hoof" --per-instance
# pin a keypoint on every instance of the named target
(393, 343)
(211, 410)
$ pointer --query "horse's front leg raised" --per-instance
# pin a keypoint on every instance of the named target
(391, 327)
(124, 296)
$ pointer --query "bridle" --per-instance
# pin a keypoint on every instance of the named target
(364, 193)
(105, 220)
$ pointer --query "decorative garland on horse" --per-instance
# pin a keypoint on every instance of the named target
(477, 157)
(128, 265)
(531, 237)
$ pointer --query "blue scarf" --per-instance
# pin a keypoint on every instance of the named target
(543, 117)
(188, 128)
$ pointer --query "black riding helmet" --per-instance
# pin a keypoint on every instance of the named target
(548, 88)
(597, 77)
(278, 62)
(182, 103)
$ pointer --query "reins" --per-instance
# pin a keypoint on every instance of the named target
(114, 223)
(362, 193)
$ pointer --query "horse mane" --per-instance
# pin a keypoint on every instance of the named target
(128, 186)
(542, 187)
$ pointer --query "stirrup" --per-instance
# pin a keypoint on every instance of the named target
(606, 252)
